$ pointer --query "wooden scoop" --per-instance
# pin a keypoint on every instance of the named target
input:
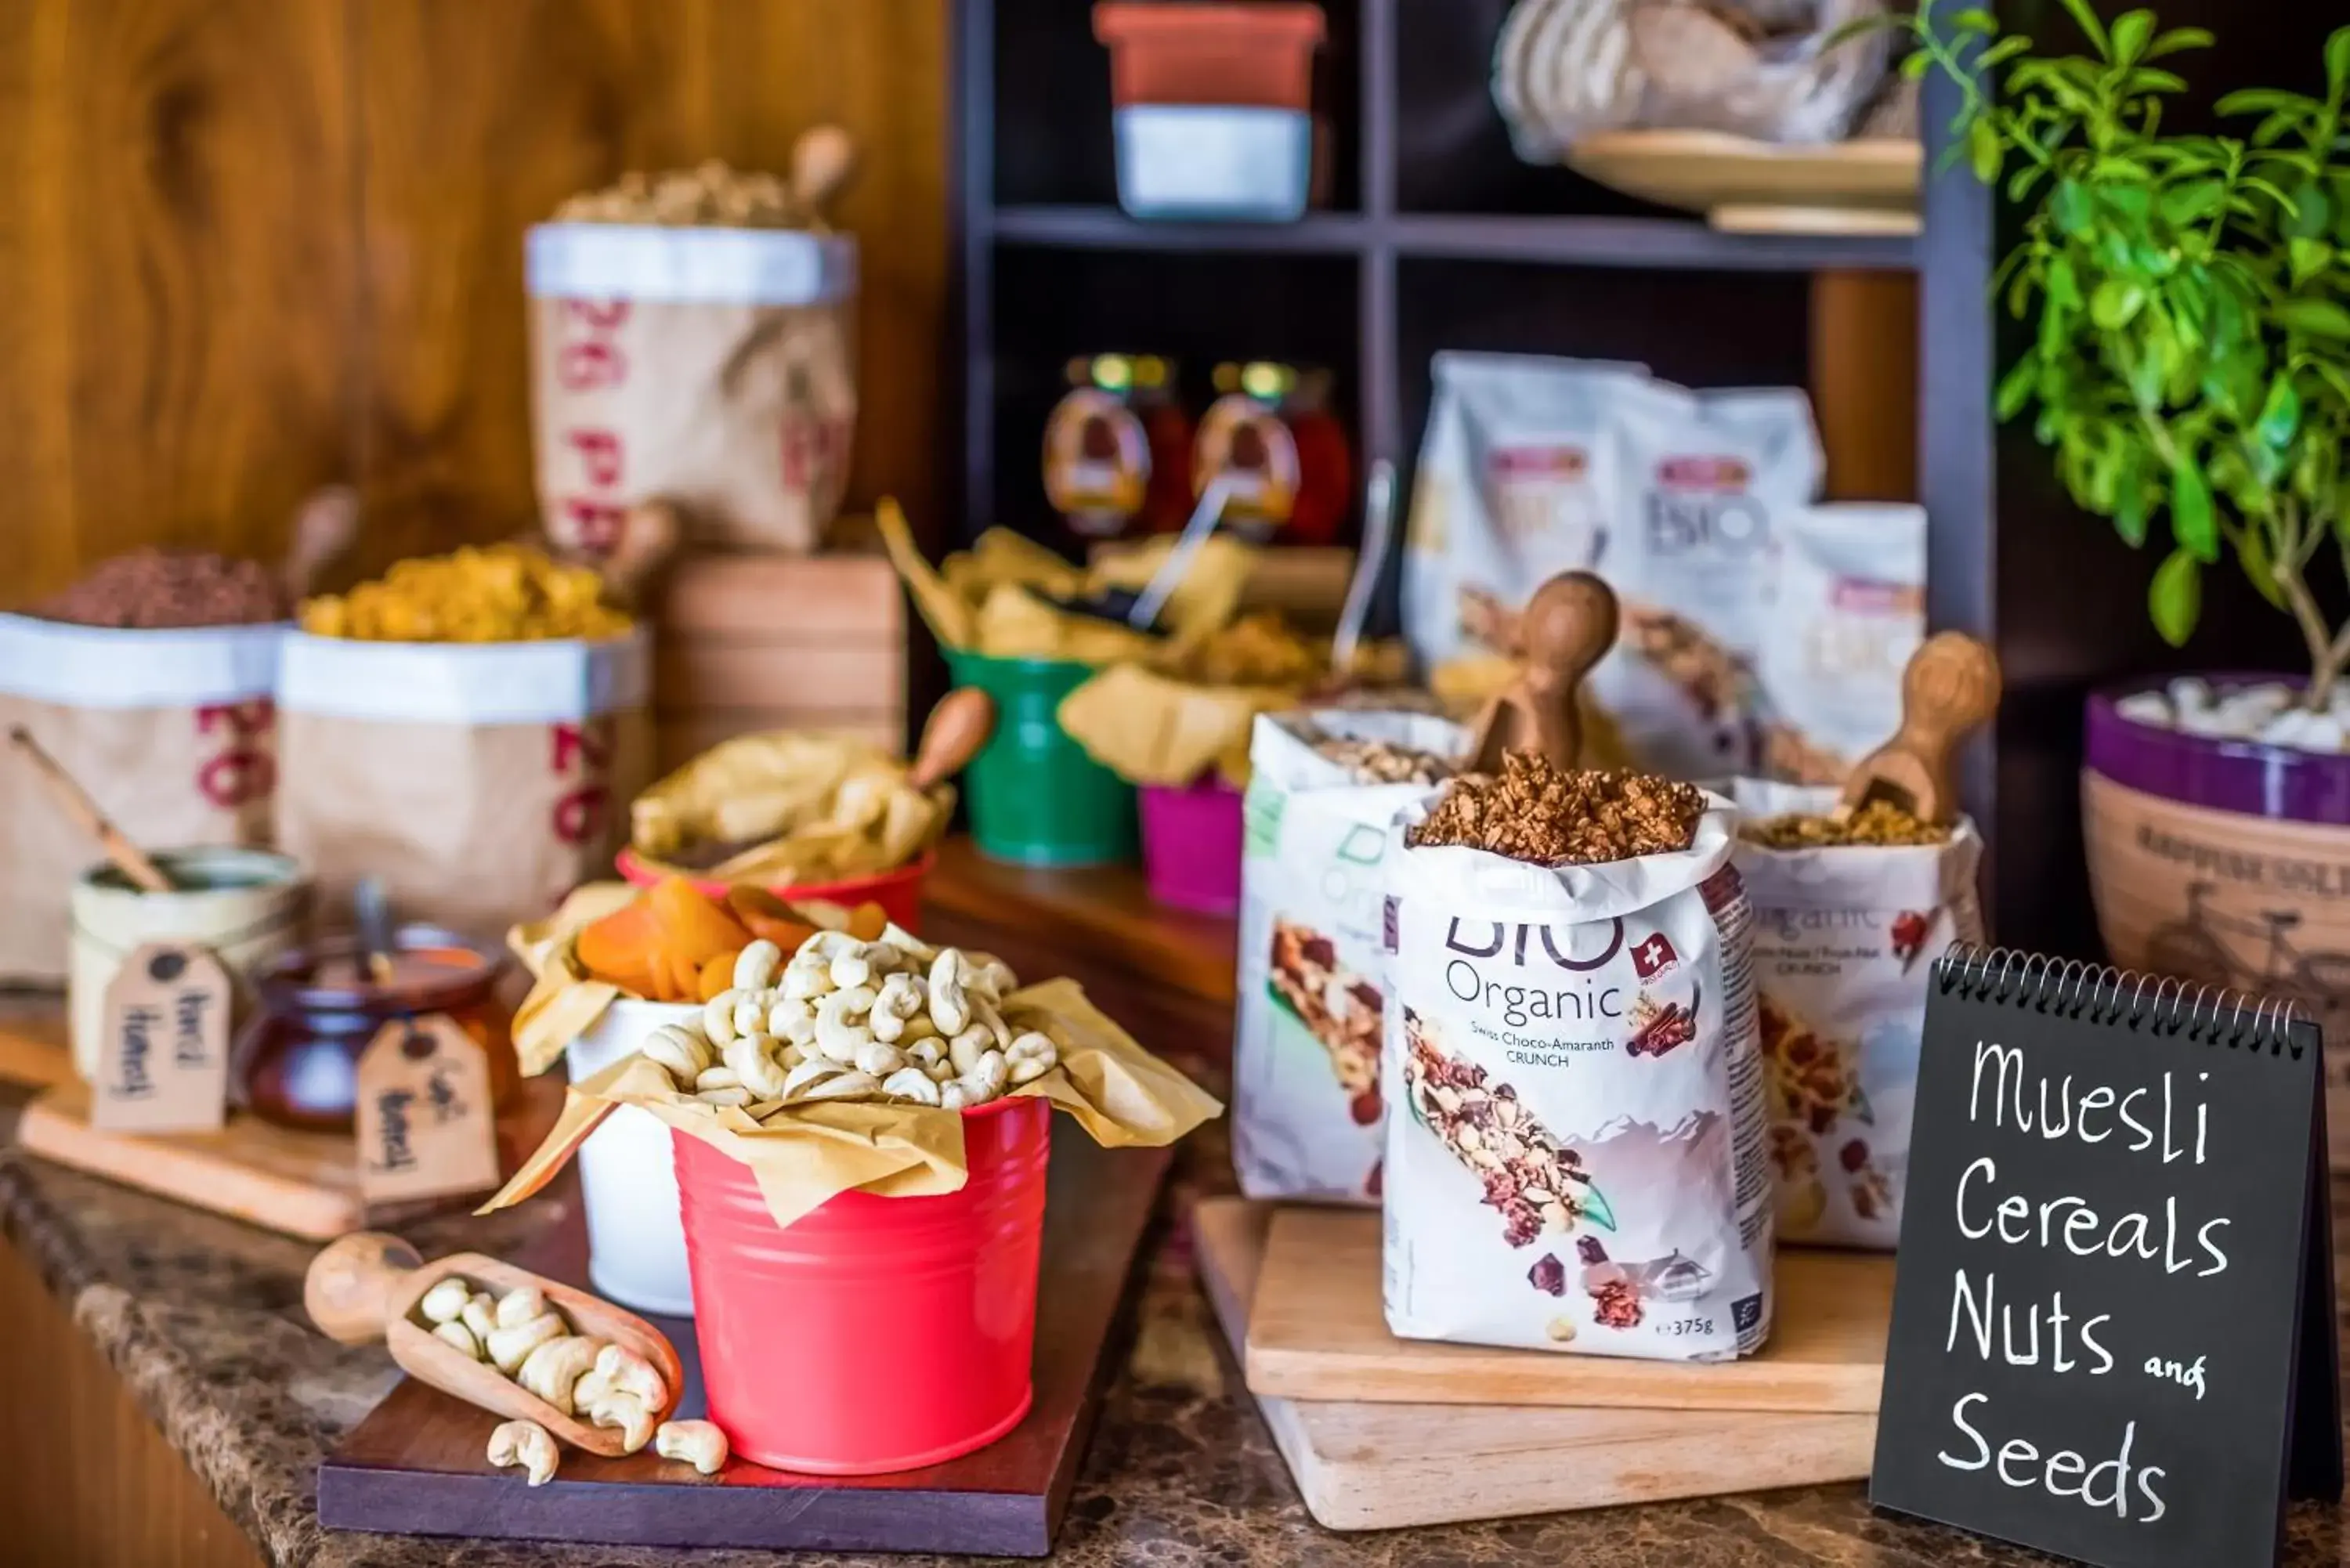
(365, 1287)
(129, 859)
(822, 161)
(1566, 628)
(1950, 686)
(953, 733)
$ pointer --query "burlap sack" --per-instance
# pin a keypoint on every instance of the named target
(713, 367)
(172, 732)
(481, 782)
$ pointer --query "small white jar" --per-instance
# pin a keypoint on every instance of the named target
(628, 1178)
(247, 905)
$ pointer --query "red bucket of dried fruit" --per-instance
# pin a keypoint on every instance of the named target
(873, 1334)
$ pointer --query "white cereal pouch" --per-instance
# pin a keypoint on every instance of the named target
(1323, 787)
(1846, 610)
(1845, 935)
(1575, 1159)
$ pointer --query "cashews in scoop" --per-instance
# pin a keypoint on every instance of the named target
(526, 1444)
(556, 1365)
(446, 1302)
(842, 1019)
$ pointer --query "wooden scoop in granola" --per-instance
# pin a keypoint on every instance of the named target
(1950, 686)
(367, 1286)
(1566, 628)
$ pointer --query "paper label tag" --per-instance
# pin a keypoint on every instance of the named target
(162, 1060)
(425, 1126)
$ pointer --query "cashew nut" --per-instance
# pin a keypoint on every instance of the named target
(527, 1444)
(939, 1072)
(853, 969)
(698, 1443)
(718, 1017)
(735, 1095)
(456, 1333)
(446, 1302)
(906, 942)
(510, 1347)
(836, 1036)
(902, 997)
(878, 1059)
(950, 1008)
(1031, 1055)
(982, 1013)
(911, 1084)
(845, 1087)
(481, 1315)
(966, 1048)
(627, 1413)
(718, 1078)
(808, 977)
(755, 965)
(986, 1077)
(828, 946)
(520, 1305)
(629, 1372)
(754, 1068)
(809, 1071)
(953, 1096)
(925, 1054)
(550, 1370)
(683, 1055)
(792, 1018)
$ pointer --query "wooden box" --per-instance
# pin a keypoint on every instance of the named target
(748, 642)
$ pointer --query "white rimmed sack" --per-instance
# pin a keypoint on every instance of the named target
(713, 367)
(1706, 477)
(1845, 940)
(1519, 480)
(480, 781)
(172, 730)
(1847, 605)
(1575, 1159)
(1305, 1048)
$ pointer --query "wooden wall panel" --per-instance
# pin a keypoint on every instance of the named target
(251, 246)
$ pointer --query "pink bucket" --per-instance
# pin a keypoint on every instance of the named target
(874, 1333)
(1191, 846)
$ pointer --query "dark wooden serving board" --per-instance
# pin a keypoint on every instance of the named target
(416, 1465)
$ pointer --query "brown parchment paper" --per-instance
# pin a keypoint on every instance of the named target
(803, 1155)
(565, 1000)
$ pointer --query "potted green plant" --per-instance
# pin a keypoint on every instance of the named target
(2188, 366)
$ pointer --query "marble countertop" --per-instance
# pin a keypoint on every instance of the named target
(203, 1318)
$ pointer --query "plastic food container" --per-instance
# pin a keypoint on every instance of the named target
(1036, 798)
(628, 1179)
(947, 1283)
(899, 892)
(1191, 846)
(247, 905)
(1212, 113)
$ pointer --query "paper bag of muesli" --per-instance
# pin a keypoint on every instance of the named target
(1306, 1040)
(1575, 1158)
(1845, 938)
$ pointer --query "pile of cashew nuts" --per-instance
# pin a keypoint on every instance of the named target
(895, 1018)
(608, 1384)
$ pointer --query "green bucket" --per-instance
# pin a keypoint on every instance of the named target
(1036, 798)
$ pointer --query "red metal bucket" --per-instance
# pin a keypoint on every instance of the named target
(874, 1334)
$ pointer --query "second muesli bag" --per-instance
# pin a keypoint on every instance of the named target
(1846, 938)
(1323, 787)
(1574, 1161)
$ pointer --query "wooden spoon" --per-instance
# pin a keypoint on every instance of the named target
(1566, 628)
(129, 858)
(822, 160)
(1951, 686)
(957, 728)
(324, 529)
(365, 1287)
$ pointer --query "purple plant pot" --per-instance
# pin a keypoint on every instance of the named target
(1191, 846)
(2253, 777)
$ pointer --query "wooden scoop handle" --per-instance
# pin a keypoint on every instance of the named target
(1950, 687)
(957, 728)
(1566, 628)
(822, 161)
(348, 1292)
(326, 527)
(74, 801)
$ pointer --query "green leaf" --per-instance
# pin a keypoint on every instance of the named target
(2130, 507)
(2091, 29)
(2192, 202)
(2192, 522)
(1984, 150)
(2317, 317)
(2176, 39)
(2279, 414)
(2337, 61)
(2309, 257)
(2252, 555)
(2253, 100)
(2175, 597)
(2015, 387)
(1974, 19)
(2311, 211)
(2131, 31)
(2000, 52)
(2116, 302)
(1916, 64)
(2064, 284)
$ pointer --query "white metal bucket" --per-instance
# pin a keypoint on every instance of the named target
(635, 1243)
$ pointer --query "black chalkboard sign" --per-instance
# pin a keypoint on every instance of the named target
(2113, 1316)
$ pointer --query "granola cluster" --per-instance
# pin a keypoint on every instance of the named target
(1615, 1297)
(1880, 823)
(1339, 1008)
(1533, 1180)
(1381, 761)
(1534, 812)
(1810, 1080)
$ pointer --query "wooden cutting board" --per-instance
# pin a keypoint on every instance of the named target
(416, 1464)
(303, 1184)
(1380, 1467)
(1318, 1331)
